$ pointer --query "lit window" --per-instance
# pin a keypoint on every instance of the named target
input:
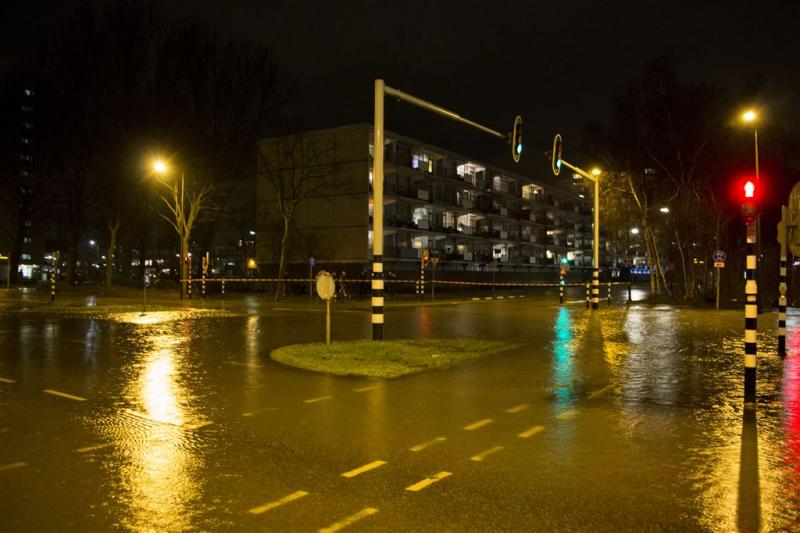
(27, 125)
(25, 174)
(27, 108)
(26, 257)
(25, 157)
(28, 92)
(28, 223)
(27, 240)
(25, 140)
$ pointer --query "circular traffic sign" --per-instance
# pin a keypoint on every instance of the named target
(720, 256)
(325, 285)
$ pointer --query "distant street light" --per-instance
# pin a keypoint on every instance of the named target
(634, 231)
(664, 210)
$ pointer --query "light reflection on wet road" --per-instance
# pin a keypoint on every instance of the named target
(626, 419)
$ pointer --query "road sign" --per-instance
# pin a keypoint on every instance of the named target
(312, 261)
(719, 264)
(325, 285)
(719, 256)
(146, 280)
(434, 261)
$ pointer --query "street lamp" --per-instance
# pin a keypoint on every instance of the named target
(161, 168)
(750, 116)
(594, 176)
(665, 210)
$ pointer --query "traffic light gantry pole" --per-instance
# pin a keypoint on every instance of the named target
(558, 162)
(381, 90)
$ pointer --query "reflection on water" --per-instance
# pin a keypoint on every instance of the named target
(159, 457)
(749, 503)
(563, 352)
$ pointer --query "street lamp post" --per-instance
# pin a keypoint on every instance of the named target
(751, 117)
(160, 168)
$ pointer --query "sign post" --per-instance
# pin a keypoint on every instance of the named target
(325, 289)
(146, 283)
(719, 263)
(311, 263)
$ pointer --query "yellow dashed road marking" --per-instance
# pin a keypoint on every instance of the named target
(365, 468)
(6, 380)
(352, 519)
(317, 399)
(86, 449)
(530, 432)
(479, 424)
(420, 447)
(277, 503)
(481, 456)
(364, 389)
(416, 487)
(569, 413)
(517, 408)
(64, 395)
(13, 466)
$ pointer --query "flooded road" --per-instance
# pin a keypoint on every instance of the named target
(622, 419)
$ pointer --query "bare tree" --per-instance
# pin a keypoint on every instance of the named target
(184, 209)
(296, 168)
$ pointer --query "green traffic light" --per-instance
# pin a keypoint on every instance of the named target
(564, 260)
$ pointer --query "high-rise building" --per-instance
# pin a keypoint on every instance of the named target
(20, 233)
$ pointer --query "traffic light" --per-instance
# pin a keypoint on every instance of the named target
(750, 205)
(558, 148)
(516, 139)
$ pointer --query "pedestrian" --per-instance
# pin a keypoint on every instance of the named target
(342, 290)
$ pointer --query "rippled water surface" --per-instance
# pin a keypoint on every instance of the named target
(182, 422)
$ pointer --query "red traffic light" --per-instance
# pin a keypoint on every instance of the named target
(749, 189)
(750, 204)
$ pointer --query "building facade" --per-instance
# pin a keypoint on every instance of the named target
(473, 216)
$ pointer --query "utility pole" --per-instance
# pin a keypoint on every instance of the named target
(380, 91)
(594, 176)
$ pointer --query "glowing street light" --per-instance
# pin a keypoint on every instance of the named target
(634, 231)
(749, 116)
(159, 167)
(664, 210)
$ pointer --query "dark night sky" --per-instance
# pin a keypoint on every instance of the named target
(557, 63)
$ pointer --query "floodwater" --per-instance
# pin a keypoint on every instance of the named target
(627, 418)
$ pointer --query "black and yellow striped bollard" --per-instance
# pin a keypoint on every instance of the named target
(750, 319)
(587, 295)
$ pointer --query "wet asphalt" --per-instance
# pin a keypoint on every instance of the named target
(629, 418)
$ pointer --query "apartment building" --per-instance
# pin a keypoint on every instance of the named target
(474, 216)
